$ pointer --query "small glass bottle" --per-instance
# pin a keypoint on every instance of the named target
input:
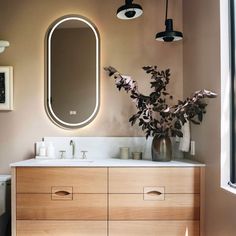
(51, 150)
(42, 149)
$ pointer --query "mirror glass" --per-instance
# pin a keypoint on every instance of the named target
(72, 77)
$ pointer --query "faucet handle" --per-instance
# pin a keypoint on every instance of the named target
(62, 152)
(84, 154)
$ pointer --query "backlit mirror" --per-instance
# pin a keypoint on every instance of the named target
(72, 77)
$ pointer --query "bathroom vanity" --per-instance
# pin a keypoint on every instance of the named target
(107, 197)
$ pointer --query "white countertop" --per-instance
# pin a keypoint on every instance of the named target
(104, 163)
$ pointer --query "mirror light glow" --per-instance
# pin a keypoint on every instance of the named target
(50, 111)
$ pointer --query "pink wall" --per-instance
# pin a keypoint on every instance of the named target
(127, 45)
(201, 68)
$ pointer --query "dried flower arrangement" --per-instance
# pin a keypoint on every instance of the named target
(154, 115)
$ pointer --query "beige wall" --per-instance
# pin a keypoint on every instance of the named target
(201, 68)
(127, 45)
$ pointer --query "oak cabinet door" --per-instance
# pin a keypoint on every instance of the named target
(61, 228)
(43, 207)
(172, 207)
(41, 180)
(174, 180)
(153, 228)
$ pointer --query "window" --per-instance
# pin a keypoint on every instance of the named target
(228, 95)
(232, 65)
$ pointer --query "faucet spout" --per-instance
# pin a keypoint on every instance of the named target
(72, 143)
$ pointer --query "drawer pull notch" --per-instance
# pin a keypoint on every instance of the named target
(62, 193)
(154, 193)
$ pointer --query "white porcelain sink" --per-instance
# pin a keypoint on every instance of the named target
(73, 159)
(68, 160)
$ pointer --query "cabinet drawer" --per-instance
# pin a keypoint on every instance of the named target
(41, 180)
(61, 228)
(43, 207)
(174, 180)
(154, 228)
(173, 207)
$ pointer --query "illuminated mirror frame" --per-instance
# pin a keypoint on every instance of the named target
(48, 106)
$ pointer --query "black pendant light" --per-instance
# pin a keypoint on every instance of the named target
(169, 34)
(129, 11)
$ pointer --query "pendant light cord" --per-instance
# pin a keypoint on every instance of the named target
(166, 8)
(128, 2)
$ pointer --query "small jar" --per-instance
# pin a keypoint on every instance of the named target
(124, 153)
(137, 155)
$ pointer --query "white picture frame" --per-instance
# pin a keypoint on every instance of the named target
(6, 88)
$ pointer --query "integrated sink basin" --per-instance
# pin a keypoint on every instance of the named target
(70, 159)
(67, 161)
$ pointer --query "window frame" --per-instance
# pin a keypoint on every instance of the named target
(226, 90)
(232, 66)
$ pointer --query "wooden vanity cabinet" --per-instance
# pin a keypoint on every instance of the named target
(114, 201)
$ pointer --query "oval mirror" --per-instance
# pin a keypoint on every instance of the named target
(72, 78)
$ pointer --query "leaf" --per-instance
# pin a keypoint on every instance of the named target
(155, 94)
(200, 116)
(209, 94)
(149, 71)
(178, 124)
(141, 121)
(195, 122)
(202, 105)
(111, 70)
(133, 118)
(154, 84)
(147, 67)
(167, 72)
(165, 93)
(179, 133)
(167, 110)
(148, 134)
(183, 120)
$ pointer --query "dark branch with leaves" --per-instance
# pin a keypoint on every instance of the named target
(154, 115)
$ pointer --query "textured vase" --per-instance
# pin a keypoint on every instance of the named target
(161, 148)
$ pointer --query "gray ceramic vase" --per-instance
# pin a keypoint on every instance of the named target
(161, 148)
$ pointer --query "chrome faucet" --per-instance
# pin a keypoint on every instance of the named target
(72, 143)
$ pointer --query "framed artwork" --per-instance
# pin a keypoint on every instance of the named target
(6, 88)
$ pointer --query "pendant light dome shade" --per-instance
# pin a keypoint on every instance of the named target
(169, 34)
(3, 45)
(129, 11)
